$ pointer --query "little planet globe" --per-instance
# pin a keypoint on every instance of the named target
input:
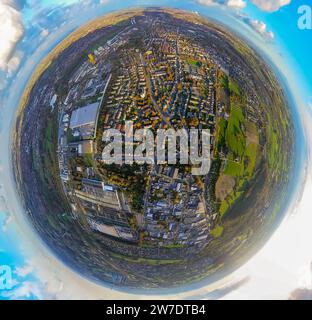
(153, 224)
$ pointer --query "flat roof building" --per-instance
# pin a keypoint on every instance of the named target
(84, 116)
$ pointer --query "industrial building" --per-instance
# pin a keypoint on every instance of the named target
(83, 120)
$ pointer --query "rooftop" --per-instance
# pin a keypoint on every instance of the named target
(84, 116)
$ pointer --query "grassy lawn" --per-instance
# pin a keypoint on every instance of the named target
(173, 246)
(234, 169)
(194, 63)
(151, 262)
(242, 143)
(235, 137)
(251, 154)
(220, 132)
(234, 88)
(223, 208)
(224, 81)
(273, 146)
(235, 140)
(217, 231)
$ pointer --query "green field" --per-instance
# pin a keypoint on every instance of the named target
(223, 208)
(251, 154)
(230, 85)
(234, 169)
(217, 231)
(194, 63)
(224, 81)
(146, 261)
(235, 137)
(234, 88)
(221, 130)
(273, 145)
(242, 140)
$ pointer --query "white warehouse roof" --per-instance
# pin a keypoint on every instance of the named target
(84, 116)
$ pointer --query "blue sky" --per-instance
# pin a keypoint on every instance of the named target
(295, 44)
(37, 26)
(12, 255)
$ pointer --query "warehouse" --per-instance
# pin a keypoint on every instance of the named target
(83, 120)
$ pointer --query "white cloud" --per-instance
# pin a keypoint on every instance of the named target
(44, 33)
(261, 28)
(239, 4)
(6, 222)
(265, 5)
(14, 62)
(24, 270)
(236, 4)
(270, 5)
(257, 25)
(4, 211)
(49, 287)
(26, 290)
(207, 2)
(11, 30)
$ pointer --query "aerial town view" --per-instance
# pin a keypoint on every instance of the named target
(152, 225)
